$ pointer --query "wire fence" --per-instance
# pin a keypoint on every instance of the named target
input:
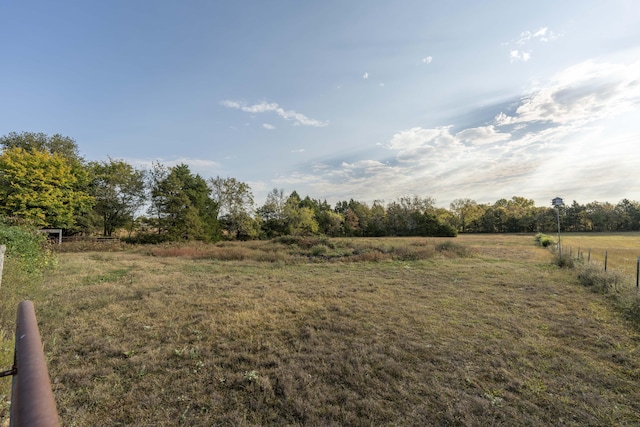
(623, 264)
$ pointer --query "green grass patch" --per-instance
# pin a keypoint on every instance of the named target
(109, 276)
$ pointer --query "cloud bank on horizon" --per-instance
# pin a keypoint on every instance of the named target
(551, 140)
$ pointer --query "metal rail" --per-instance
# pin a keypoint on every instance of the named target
(32, 402)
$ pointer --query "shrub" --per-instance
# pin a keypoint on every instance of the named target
(27, 248)
(544, 240)
(27, 255)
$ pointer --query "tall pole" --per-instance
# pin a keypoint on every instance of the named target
(559, 246)
(557, 202)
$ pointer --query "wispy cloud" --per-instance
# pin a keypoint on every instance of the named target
(543, 34)
(522, 52)
(272, 107)
(268, 126)
(365, 76)
(427, 60)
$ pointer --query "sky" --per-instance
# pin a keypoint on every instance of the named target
(370, 100)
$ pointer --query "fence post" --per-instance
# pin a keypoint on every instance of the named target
(638, 274)
(606, 257)
(32, 402)
(2, 249)
(589, 256)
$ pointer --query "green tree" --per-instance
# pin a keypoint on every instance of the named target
(377, 220)
(119, 191)
(400, 218)
(29, 141)
(603, 216)
(465, 212)
(43, 188)
(629, 213)
(272, 214)
(181, 204)
(299, 220)
(329, 222)
(235, 207)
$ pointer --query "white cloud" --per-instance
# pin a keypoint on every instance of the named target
(266, 107)
(268, 126)
(581, 94)
(519, 55)
(549, 145)
(427, 60)
(482, 136)
(365, 76)
(543, 35)
(299, 150)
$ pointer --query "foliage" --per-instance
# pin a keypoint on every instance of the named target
(56, 195)
(181, 204)
(26, 248)
(235, 207)
(272, 214)
(119, 191)
(26, 256)
(63, 146)
(544, 240)
(43, 188)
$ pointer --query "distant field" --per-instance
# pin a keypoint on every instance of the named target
(366, 332)
(623, 248)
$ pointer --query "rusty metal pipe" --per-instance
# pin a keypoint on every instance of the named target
(32, 402)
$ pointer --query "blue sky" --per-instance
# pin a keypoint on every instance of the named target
(368, 100)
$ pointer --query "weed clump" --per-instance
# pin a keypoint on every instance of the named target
(598, 280)
(563, 260)
(305, 242)
(449, 247)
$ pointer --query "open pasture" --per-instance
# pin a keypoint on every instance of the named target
(623, 249)
(490, 335)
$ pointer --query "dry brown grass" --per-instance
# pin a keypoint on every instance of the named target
(494, 335)
(623, 249)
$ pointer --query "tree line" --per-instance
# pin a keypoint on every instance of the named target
(46, 183)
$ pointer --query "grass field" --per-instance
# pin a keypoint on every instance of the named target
(484, 331)
(623, 249)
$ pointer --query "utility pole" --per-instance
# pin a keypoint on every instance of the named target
(557, 203)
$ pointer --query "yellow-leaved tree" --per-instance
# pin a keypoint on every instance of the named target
(45, 189)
